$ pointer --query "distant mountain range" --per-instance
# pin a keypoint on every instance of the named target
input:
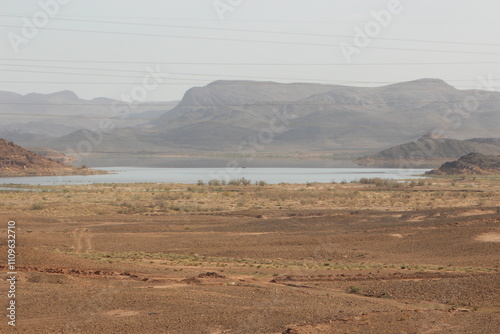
(248, 116)
(34, 116)
(430, 150)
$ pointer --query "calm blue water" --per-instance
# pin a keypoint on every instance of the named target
(192, 175)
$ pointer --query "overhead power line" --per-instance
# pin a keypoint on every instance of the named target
(205, 75)
(331, 21)
(269, 104)
(240, 40)
(260, 31)
(162, 62)
(92, 74)
(469, 87)
(188, 83)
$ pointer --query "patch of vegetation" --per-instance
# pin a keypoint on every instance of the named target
(354, 289)
(379, 182)
(37, 206)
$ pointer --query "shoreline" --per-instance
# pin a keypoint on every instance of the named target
(85, 172)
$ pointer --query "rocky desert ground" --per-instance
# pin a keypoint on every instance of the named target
(366, 257)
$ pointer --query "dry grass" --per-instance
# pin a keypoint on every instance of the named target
(147, 199)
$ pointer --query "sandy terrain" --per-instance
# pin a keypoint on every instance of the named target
(113, 259)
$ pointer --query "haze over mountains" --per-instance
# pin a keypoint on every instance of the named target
(37, 116)
(243, 116)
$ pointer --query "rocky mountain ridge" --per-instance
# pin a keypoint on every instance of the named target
(252, 116)
(472, 163)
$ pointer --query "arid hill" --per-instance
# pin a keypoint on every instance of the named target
(472, 163)
(17, 161)
(431, 151)
(51, 154)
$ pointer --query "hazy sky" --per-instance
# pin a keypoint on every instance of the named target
(103, 48)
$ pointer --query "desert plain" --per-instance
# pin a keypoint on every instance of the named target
(363, 257)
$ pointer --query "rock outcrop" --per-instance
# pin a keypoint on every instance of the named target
(430, 150)
(472, 163)
(17, 161)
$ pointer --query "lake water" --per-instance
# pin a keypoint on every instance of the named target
(192, 175)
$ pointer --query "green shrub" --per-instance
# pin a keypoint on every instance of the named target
(354, 289)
